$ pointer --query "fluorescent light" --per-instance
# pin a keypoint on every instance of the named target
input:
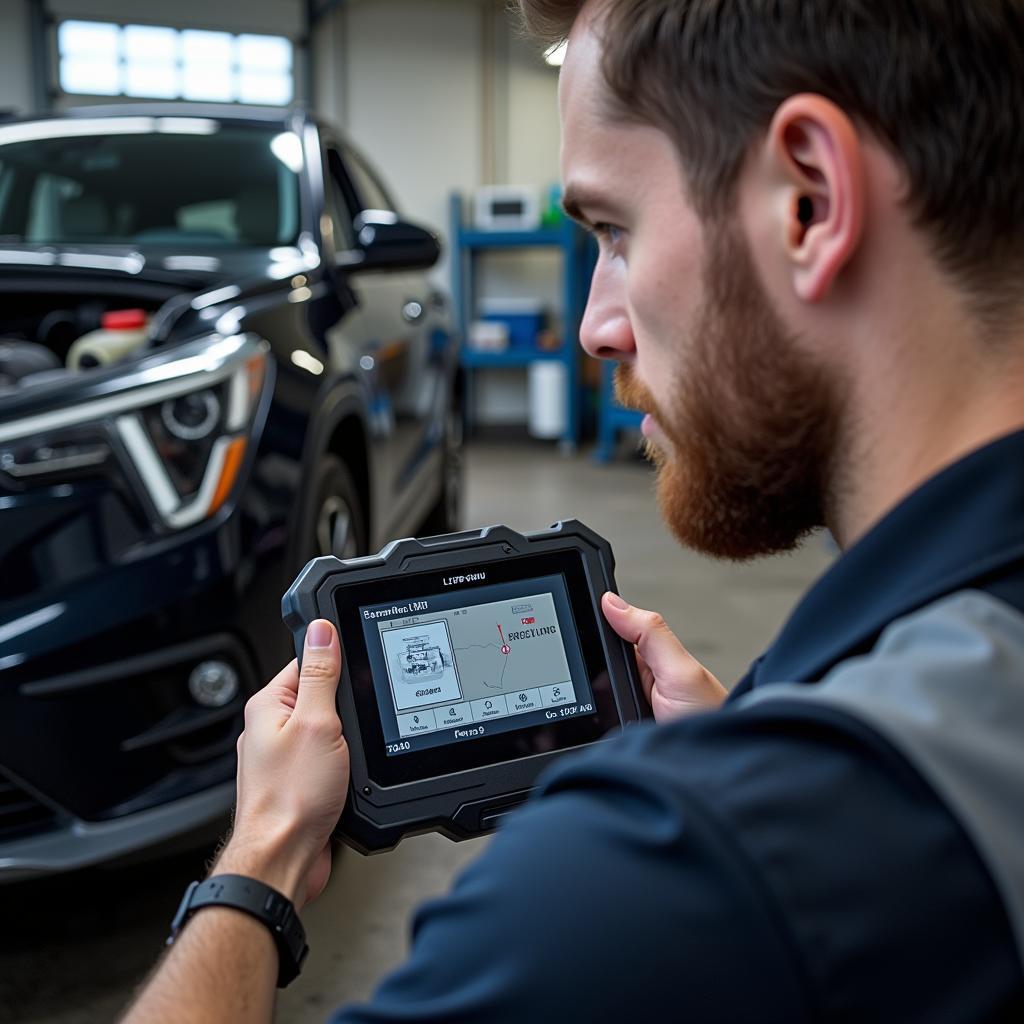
(555, 55)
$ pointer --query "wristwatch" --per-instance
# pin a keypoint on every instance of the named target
(277, 912)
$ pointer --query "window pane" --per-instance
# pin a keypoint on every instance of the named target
(144, 44)
(372, 194)
(101, 58)
(161, 81)
(90, 75)
(264, 53)
(207, 47)
(94, 39)
(254, 87)
(226, 188)
(215, 219)
(207, 83)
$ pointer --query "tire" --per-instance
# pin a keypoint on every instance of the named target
(338, 524)
(446, 515)
(336, 498)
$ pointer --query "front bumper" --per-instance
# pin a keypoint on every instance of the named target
(96, 719)
(79, 844)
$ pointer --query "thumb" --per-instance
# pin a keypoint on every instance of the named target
(321, 669)
(656, 643)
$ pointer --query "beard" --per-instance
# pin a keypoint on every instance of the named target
(752, 425)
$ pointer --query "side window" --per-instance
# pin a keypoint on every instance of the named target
(338, 206)
(372, 193)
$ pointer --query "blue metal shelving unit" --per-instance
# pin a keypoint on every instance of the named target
(577, 264)
(612, 417)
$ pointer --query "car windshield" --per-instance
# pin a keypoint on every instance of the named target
(174, 181)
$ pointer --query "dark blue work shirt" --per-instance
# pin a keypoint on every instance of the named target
(844, 840)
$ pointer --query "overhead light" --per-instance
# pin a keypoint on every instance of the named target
(555, 55)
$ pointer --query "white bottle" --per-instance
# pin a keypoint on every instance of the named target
(121, 332)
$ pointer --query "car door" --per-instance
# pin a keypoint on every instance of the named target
(418, 378)
(371, 343)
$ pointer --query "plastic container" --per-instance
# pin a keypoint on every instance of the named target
(525, 319)
(121, 332)
(547, 399)
(488, 336)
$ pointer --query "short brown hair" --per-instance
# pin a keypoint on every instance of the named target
(939, 82)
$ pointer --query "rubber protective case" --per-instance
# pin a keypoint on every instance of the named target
(464, 804)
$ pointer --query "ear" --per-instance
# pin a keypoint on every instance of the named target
(817, 163)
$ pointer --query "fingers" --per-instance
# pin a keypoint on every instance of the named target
(321, 669)
(272, 705)
(655, 642)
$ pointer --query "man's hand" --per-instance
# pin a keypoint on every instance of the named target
(293, 771)
(674, 682)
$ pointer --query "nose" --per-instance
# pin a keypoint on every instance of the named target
(606, 331)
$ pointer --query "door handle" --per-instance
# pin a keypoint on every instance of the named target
(412, 311)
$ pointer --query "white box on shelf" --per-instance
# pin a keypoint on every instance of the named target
(506, 208)
(488, 336)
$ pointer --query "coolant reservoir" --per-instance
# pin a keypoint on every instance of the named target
(121, 332)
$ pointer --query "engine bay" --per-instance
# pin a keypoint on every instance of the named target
(45, 336)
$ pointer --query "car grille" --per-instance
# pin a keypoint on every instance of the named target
(20, 812)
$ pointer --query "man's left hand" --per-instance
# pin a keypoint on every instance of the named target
(293, 773)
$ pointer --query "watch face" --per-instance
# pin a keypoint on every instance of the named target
(454, 672)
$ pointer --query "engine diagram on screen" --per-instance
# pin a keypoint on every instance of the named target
(421, 664)
(421, 661)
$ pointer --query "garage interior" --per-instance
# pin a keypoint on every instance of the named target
(450, 103)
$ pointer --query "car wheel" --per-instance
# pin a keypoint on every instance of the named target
(446, 515)
(339, 523)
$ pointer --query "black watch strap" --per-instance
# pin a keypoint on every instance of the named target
(277, 912)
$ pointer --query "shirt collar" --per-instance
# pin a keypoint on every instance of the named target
(961, 526)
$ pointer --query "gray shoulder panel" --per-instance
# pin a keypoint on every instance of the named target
(945, 686)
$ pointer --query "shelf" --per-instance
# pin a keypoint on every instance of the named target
(476, 359)
(511, 239)
(576, 250)
(612, 418)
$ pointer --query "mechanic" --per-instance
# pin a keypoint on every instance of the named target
(811, 276)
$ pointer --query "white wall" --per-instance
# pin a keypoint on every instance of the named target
(281, 17)
(445, 95)
(412, 96)
(15, 66)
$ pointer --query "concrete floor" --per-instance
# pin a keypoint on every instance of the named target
(73, 948)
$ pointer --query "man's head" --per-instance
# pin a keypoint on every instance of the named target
(776, 185)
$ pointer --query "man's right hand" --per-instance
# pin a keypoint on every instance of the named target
(674, 682)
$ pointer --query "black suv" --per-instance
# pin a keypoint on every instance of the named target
(219, 357)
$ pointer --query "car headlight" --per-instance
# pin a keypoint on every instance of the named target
(183, 420)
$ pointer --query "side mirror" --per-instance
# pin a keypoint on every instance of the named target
(384, 241)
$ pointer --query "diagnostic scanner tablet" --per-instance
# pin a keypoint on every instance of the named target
(470, 662)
